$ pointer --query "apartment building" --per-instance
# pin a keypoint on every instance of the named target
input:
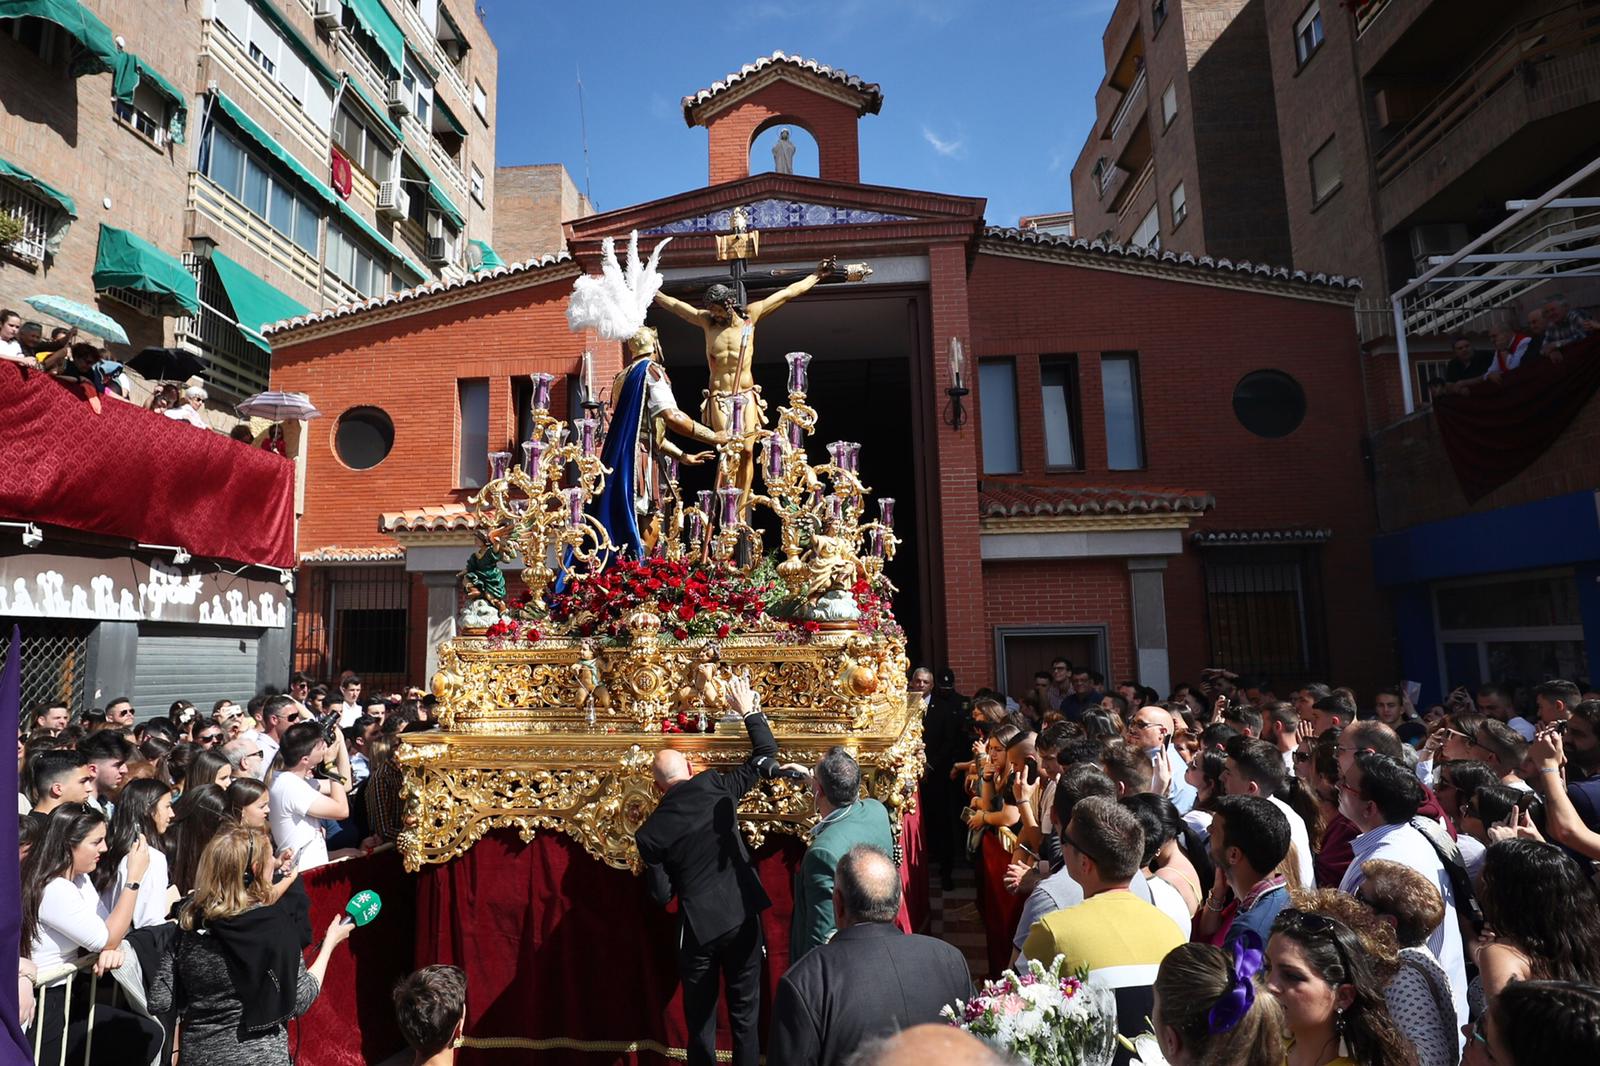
(199, 170)
(1183, 154)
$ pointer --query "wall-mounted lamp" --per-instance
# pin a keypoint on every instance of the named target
(32, 535)
(286, 579)
(180, 555)
(955, 412)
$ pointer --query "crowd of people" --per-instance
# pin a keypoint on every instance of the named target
(166, 851)
(1385, 885)
(1547, 331)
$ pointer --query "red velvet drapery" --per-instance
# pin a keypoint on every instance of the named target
(1496, 431)
(564, 955)
(136, 475)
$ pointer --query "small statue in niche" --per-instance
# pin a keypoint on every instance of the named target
(783, 153)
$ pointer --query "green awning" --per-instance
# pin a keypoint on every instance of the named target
(449, 116)
(302, 47)
(66, 210)
(255, 303)
(436, 193)
(264, 141)
(491, 259)
(375, 19)
(387, 246)
(131, 70)
(96, 51)
(126, 260)
(376, 111)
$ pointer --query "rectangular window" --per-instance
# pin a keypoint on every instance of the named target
(255, 186)
(1058, 393)
(473, 463)
(480, 101)
(477, 183)
(1169, 105)
(1325, 177)
(1180, 206)
(349, 260)
(420, 89)
(363, 147)
(1308, 33)
(1264, 609)
(1119, 393)
(997, 409)
(1148, 235)
(229, 164)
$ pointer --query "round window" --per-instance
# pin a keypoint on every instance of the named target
(1269, 403)
(363, 437)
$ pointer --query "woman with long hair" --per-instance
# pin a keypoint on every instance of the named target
(237, 973)
(249, 803)
(1204, 775)
(1169, 841)
(210, 767)
(61, 922)
(1545, 915)
(1419, 994)
(1210, 1009)
(1540, 1023)
(1331, 994)
(196, 819)
(144, 809)
(994, 809)
(174, 767)
(183, 716)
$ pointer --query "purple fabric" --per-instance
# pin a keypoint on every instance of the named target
(15, 1046)
(1235, 1003)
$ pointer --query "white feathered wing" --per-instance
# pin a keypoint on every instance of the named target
(615, 303)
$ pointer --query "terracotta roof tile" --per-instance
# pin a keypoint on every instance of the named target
(1005, 499)
(384, 554)
(1242, 269)
(418, 292)
(1225, 538)
(871, 93)
(446, 519)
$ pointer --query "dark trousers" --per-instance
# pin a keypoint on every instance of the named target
(734, 957)
(121, 1037)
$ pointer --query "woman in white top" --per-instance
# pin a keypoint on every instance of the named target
(61, 921)
(144, 809)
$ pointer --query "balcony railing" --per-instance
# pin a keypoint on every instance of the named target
(36, 217)
(1134, 95)
(237, 367)
(228, 54)
(1560, 33)
(426, 41)
(210, 200)
(447, 168)
(1129, 194)
(1368, 13)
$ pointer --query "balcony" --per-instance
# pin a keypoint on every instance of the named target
(237, 368)
(228, 54)
(426, 42)
(1134, 97)
(208, 199)
(1128, 196)
(446, 167)
(1521, 78)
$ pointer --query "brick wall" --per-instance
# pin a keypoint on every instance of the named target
(831, 123)
(1195, 342)
(1075, 592)
(409, 367)
(531, 203)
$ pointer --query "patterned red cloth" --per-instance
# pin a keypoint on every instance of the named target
(137, 475)
(341, 175)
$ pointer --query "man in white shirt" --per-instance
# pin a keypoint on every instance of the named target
(1381, 796)
(351, 707)
(1255, 768)
(277, 715)
(1150, 730)
(299, 802)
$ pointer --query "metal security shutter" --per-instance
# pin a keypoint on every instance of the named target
(187, 663)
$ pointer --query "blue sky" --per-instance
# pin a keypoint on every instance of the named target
(975, 102)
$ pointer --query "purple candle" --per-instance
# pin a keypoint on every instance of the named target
(886, 511)
(702, 500)
(541, 390)
(574, 506)
(798, 361)
(532, 452)
(835, 509)
(797, 436)
(669, 466)
(498, 462)
(696, 533)
(587, 428)
(730, 505)
(774, 456)
(836, 453)
(874, 541)
(852, 456)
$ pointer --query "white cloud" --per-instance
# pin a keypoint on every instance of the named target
(953, 149)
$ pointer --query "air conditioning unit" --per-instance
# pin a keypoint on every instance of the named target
(399, 99)
(1436, 238)
(328, 13)
(393, 200)
(438, 251)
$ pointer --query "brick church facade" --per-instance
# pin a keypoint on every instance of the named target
(1158, 465)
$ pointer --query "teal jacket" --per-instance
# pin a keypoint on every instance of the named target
(863, 822)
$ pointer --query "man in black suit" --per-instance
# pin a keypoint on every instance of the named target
(692, 848)
(870, 979)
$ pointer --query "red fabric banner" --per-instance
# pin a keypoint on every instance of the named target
(137, 475)
(1496, 431)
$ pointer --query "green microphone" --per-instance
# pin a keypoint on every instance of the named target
(362, 908)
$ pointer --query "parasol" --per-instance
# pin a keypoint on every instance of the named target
(279, 407)
(167, 364)
(80, 315)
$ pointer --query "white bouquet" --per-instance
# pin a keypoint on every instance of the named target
(1042, 1017)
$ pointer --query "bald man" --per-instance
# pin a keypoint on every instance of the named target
(692, 849)
(1150, 730)
(922, 1044)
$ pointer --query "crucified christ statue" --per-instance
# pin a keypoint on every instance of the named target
(730, 353)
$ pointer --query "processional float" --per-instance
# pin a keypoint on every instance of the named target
(636, 605)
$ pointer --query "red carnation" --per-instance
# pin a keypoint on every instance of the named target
(685, 611)
(722, 631)
(681, 633)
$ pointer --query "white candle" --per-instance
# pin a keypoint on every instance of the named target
(957, 361)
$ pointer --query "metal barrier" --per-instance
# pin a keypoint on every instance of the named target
(46, 978)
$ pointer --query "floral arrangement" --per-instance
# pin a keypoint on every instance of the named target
(1043, 1017)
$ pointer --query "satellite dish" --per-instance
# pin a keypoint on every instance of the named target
(474, 255)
